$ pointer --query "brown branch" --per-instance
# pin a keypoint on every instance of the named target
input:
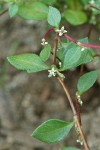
(4, 12)
(78, 111)
(74, 113)
(90, 31)
(55, 48)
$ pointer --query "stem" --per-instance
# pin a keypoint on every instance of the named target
(46, 35)
(78, 111)
(4, 12)
(90, 31)
(74, 113)
(82, 44)
(97, 55)
(55, 48)
(95, 7)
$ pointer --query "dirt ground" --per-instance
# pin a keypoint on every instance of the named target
(26, 100)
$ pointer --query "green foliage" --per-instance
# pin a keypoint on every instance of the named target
(54, 17)
(13, 9)
(33, 11)
(52, 131)
(87, 55)
(45, 53)
(49, 2)
(86, 81)
(70, 56)
(75, 17)
(28, 62)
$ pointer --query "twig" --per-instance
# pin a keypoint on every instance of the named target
(4, 12)
(95, 7)
(74, 113)
(90, 31)
(78, 111)
(55, 48)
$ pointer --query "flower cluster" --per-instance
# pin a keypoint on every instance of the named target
(52, 72)
(79, 141)
(44, 42)
(79, 98)
(61, 31)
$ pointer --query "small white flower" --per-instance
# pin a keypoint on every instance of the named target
(79, 99)
(82, 49)
(79, 141)
(78, 43)
(61, 31)
(52, 72)
(60, 64)
(92, 2)
(44, 42)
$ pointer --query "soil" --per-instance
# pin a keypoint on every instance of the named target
(27, 100)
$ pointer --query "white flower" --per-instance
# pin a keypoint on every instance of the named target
(92, 2)
(82, 49)
(79, 99)
(52, 72)
(60, 64)
(61, 31)
(79, 141)
(78, 43)
(44, 42)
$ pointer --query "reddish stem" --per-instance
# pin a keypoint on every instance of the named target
(69, 38)
(45, 36)
(90, 45)
(82, 44)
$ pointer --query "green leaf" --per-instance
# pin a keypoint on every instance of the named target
(45, 53)
(86, 81)
(75, 17)
(87, 55)
(71, 55)
(13, 9)
(52, 131)
(74, 5)
(69, 148)
(61, 48)
(28, 62)
(49, 2)
(33, 11)
(54, 17)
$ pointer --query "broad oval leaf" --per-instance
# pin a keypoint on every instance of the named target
(54, 17)
(13, 9)
(52, 131)
(71, 55)
(33, 11)
(28, 62)
(75, 17)
(45, 53)
(86, 81)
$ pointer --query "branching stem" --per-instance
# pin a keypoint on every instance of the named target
(74, 113)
